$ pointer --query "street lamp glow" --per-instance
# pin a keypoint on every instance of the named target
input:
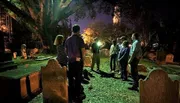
(99, 43)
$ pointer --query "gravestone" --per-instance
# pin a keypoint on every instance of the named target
(151, 56)
(54, 83)
(169, 58)
(104, 52)
(158, 88)
(87, 61)
(33, 52)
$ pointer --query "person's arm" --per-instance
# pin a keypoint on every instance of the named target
(126, 53)
(134, 50)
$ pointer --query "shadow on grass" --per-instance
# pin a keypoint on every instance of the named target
(86, 77)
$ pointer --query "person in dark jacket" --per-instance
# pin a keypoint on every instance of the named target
(123, 59)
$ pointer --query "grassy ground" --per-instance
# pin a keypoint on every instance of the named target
(108, 89)
(103, 87)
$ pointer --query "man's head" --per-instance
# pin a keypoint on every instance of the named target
(135, 36)
(76, 28)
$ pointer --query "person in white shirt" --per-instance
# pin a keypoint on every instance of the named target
(135, 56)
(113, 55)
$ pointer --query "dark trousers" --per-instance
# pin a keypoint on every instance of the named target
(95, 59)
(134, 72)
(113, 61)
(75, 78)
(123, 69)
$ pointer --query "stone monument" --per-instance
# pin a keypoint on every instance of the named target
(54, 83)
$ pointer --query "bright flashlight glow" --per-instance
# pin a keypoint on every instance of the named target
(99, 43)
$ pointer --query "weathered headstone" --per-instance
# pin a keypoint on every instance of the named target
(158, 88)
(104, 52)
(87, 61)
(54, 83)
(151, 56)
(33, 52)
(169, 58)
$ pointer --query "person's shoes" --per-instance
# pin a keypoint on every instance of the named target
(133, 88)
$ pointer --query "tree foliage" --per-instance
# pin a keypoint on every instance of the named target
(42, 16)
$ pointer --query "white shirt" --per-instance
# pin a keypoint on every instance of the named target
(113, 49)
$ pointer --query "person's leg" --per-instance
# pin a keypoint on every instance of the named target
(78, 79)
(114, 62)
(98, 61)
(111, 58)
(93, 61)
(124, 71)
(134, 72)
(71, 91)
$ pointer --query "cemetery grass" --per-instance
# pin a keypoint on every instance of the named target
(106, 87)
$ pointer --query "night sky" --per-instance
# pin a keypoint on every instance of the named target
(84, 22)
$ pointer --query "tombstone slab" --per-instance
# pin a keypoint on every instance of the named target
(159, 88)
(54, 83)
(87, 61)
(169, 58)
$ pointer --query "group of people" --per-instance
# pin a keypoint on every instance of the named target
(71, 53)
(124, 55)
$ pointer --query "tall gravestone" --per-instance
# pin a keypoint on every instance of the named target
(54, 83)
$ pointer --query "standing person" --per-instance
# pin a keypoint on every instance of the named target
(96, 57)
(61, 54)
(113, 55)
(123, 59)
(119, 43)
(75, 49)
(135, 55)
